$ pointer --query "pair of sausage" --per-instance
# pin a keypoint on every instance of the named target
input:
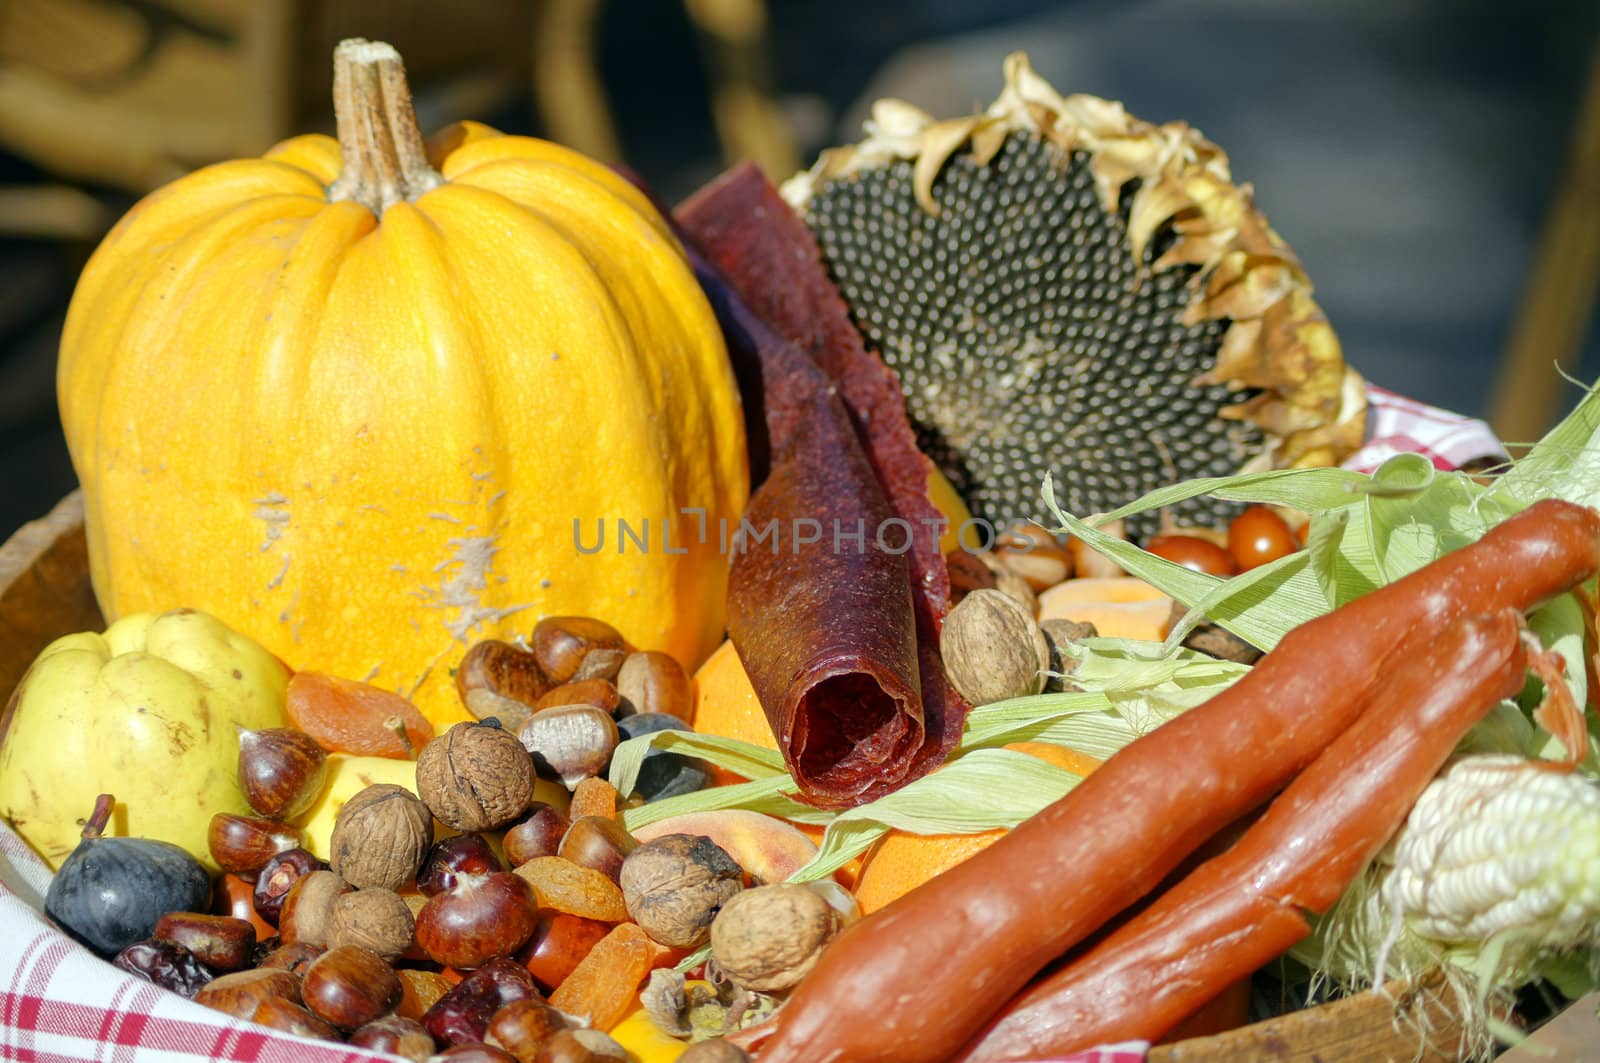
(919, 980)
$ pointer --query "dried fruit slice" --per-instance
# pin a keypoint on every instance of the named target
(603, 986)
(346, 716)
(576, 890)
(1064, 288)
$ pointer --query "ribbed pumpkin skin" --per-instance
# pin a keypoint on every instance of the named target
(365, 444)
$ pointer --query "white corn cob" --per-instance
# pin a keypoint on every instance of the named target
(1496, 846)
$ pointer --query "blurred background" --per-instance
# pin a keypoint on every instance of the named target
(1435, 164)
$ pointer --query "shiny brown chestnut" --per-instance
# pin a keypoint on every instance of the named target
(537, 833)
(243, 844)
(481, 918)
(350, 986)
(281, 771)
(397, 1036)
(221, 942)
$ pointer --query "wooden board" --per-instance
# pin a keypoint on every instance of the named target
(45, 593)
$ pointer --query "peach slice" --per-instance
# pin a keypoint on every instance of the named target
(769, 849)
(1119, 607)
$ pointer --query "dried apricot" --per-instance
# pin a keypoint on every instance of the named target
(565, 886)
(593, 797)
(602, 987)
(346, 716)
(420, 990)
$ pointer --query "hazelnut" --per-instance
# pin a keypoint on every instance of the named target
(501, 680)
(308, 909)
(475, 776)
(375, 919)
(993, 649)
(577, 647)
(380, 837)
(674, 886)
(768, 938)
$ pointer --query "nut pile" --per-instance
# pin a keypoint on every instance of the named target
(465, 918)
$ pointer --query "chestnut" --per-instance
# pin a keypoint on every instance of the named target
(652, 681)
(277, 877)
(537, 833)
(577, 647)
(221, 942)
(522, 1026)
(395, 1035)
(462, 1015)
(243, 844)
(459, 854)
(599, 843)
(240, 993)
(581, 1046)
(477, 1052)
(350, 986)
(294, 957)
(285, 1015)
(572, 742)
(1034, 554)
(480, 918)
(501, 680)
(281, 771)
(601, 694)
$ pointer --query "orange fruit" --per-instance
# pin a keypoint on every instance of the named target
(726, 704)
(901, 862)
(1124, 607)
(345, 716)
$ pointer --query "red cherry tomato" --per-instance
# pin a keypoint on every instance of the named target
(1193, 552)
(1259, 535)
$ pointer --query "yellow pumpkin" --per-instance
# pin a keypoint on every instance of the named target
(370, 403)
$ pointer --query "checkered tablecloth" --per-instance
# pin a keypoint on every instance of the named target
(58, 1002)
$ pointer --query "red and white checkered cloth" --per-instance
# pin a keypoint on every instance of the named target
(59, 1002)
(1398, 425)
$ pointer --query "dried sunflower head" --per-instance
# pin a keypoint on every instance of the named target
(1062, 287)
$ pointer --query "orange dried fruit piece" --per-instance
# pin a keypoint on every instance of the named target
(568, 887)
(602, 987)
(420, 990)
(593, 797)
(346, 716)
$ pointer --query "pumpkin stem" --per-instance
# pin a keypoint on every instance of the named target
(384, 160)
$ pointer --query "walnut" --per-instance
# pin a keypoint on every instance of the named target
(376, 919)
(675, 885)
(993, 649)
(475, 776)
(380, 837)
(768, 938)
